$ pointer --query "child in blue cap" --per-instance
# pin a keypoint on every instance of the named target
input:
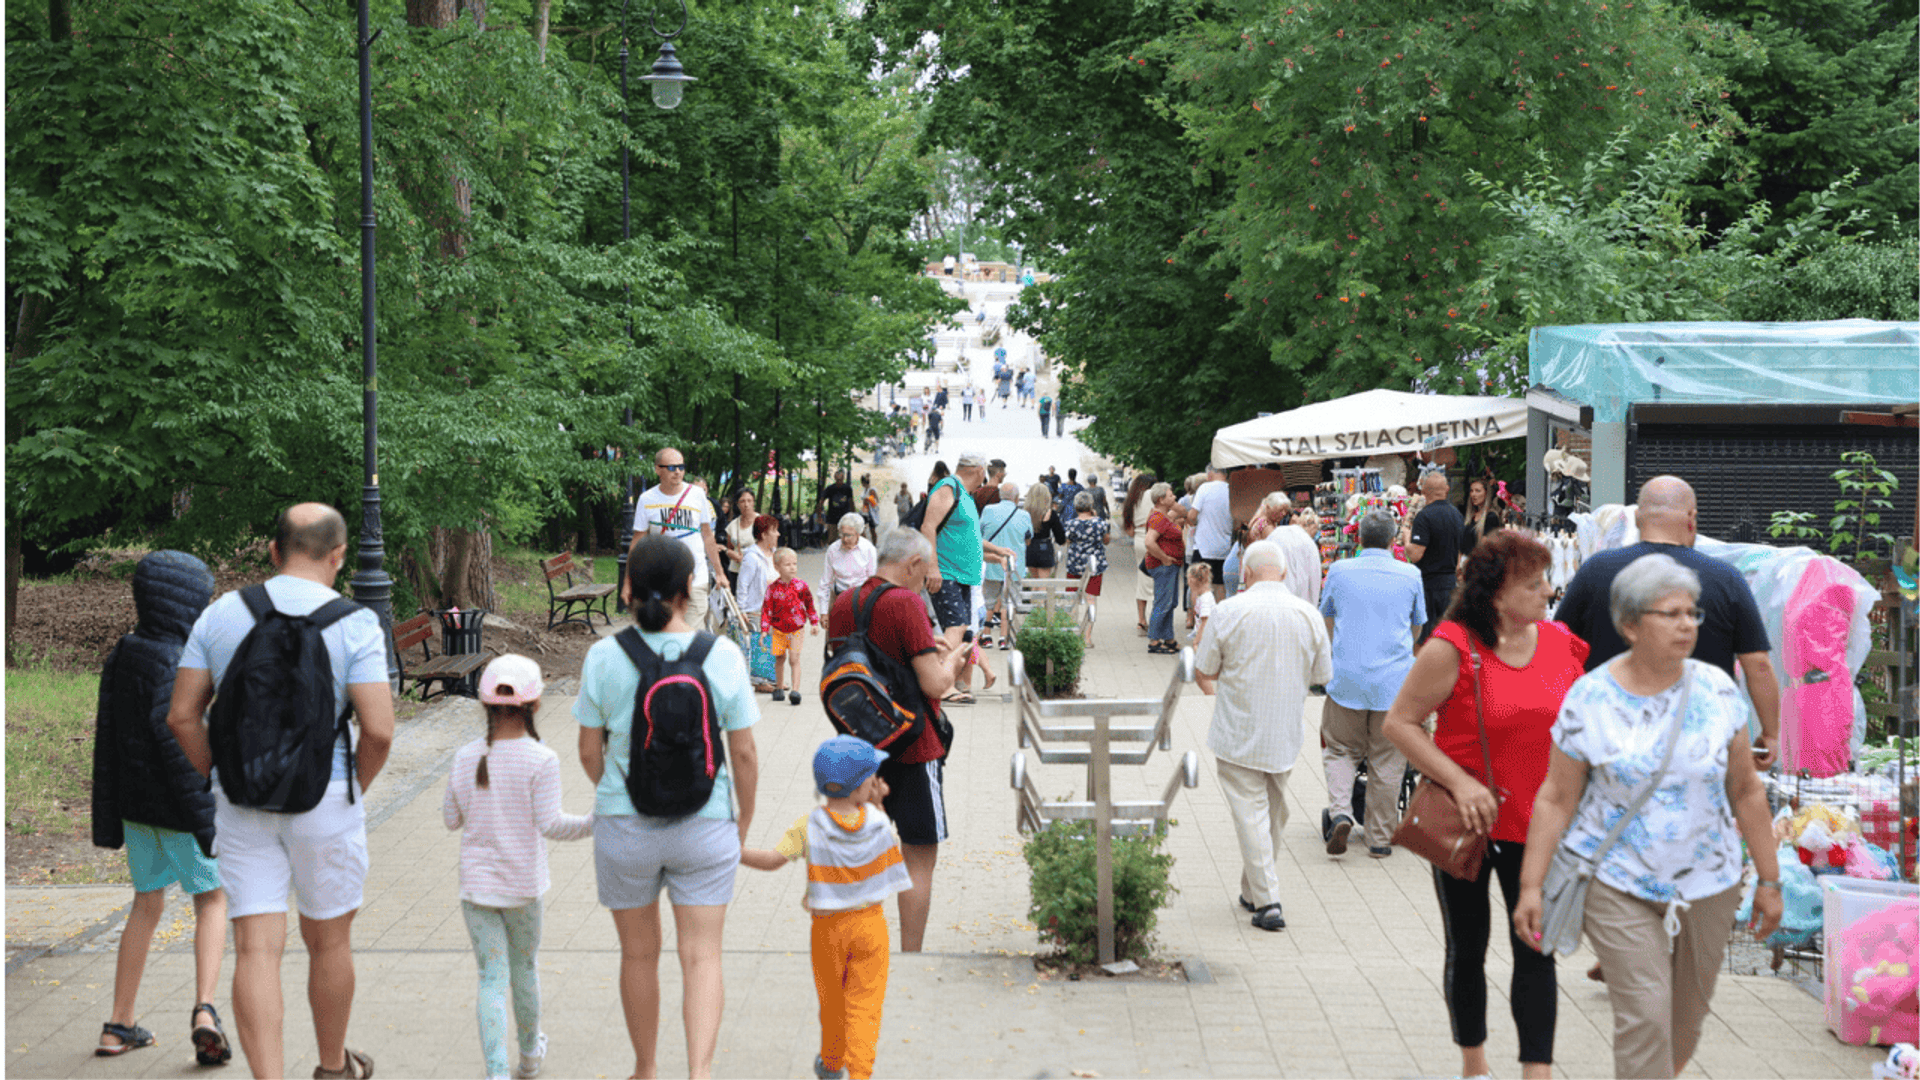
(853, 866)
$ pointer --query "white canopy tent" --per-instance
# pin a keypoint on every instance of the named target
(1368, 423)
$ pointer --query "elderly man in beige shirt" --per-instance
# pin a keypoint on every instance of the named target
(1264, 647)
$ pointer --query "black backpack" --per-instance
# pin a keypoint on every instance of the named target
(868, 694)
(275, 723)
(916, 516)
(677, 741)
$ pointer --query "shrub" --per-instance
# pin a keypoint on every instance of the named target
(1051, 636)
(1065, 894)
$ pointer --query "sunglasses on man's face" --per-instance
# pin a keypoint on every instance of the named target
(675, 467)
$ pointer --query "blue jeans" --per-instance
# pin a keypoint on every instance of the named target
(1166, 593)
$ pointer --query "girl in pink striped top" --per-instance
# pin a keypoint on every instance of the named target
(504, 792)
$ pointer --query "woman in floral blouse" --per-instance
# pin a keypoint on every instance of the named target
(1087, 554)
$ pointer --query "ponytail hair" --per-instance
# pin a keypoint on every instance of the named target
(495, 714)
(659, 571)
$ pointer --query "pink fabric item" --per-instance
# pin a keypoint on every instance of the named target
(1816, 710)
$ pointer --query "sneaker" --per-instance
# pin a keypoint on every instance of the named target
(1337, 835)
(820, 1070)
(793, 697)
(1379, 852)
(1269, 918)
(530, 1064)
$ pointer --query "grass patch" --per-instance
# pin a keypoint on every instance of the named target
(49, 752)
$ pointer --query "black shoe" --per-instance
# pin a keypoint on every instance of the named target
(1326, 825)
(793, 697)
(1379, 852)
(1337, 836)
(1269, 918)
(1247, 904)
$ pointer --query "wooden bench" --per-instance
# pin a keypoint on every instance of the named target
(451, 672)
(573, 603)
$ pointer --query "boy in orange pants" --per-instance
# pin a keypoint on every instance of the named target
(853, 866)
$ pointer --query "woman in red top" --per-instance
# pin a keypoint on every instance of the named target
(1165, 553)
(1497, 622)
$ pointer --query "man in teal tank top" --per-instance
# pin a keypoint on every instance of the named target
(952, 525)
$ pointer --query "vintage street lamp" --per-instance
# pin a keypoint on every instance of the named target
(669, 81)
(371, 585)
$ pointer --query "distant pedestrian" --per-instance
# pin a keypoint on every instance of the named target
(1064, 497)
(870, 506)
(1375, 608)
(936, 419)
(1495, 646)
(692, 856)
(1298, 541)
(148, 798)
(966, 404)
(1087, 556)
(504, 796)
(1134, 510)
(1213, 529)
(267, 854)
(903, 501)
(1264, 647)
(947, 263)
(1005, 376)
(1433, 544)
(680, 511)
(1029, 383)
(1482, 518)
(1046, 411)
(1006, 523)
(1166, 554)
(854, 864)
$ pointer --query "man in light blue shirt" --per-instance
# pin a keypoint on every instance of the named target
(1003, 523)
(1375, 608)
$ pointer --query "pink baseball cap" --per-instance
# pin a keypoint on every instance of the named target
(511, 680)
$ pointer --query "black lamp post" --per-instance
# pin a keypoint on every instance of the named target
(371, 585)
(669, 80)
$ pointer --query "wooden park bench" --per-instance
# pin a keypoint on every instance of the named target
(573, 603)
(451, 672)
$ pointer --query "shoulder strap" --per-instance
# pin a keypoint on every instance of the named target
(1003, 525)
(863, 610)
(332, 612)
(1653, 782)
(1480, 714)
(257, 601)
(637, 650)
(698, 649)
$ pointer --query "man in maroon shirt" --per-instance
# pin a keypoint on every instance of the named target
(902, 628)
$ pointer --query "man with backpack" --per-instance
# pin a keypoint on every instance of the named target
(896, 627)
(285, 665)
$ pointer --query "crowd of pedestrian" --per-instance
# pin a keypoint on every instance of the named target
(1550, 735)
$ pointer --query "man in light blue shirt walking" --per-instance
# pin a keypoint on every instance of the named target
(1375, 608)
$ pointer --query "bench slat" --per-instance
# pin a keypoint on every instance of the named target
(584, 592)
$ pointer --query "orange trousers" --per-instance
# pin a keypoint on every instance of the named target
(850, 959)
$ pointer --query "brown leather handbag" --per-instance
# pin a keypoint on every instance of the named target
(1433, 827)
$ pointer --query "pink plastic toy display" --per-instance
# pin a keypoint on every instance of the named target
(1816, 710)
(1872, 962)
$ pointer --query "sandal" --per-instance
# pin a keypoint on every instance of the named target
(131, 1036)
(210, 1040)
(958, 697)
(358, 1067)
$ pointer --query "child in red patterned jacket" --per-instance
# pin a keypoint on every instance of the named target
(787, 611)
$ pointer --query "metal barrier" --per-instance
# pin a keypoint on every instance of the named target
(1092, 722)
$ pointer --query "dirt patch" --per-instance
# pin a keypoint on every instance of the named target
(1054, 967)
(71, 625)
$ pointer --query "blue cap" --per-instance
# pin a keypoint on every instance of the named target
(843, 763)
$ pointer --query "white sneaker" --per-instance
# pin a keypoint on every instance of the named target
(530, 1064)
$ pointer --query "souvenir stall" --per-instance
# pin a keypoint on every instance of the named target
(1265, 454)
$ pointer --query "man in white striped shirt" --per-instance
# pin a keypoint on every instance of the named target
(1264, 647)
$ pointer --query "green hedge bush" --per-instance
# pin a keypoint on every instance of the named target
(1065, 894)
(1051, 636)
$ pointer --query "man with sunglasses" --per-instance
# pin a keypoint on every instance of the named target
(1730, 625)
(680, 511)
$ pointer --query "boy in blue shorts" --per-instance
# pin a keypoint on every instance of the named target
(148, 798)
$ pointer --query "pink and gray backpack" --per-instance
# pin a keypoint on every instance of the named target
(676, 735)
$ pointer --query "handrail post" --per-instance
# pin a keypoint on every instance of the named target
(1103, 836)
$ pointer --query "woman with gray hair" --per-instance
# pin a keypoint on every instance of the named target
(851, 561)
(1651, 752)
(1165, 553)
(1087, 555)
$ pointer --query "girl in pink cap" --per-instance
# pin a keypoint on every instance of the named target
(504, 792)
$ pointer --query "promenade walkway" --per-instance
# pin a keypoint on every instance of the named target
(1350, 988)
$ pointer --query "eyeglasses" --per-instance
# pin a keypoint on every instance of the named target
(1693, 614)
(671, 468)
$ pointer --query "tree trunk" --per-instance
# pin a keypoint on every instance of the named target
(437, 14)
(462, 560)
(13, 590)
(542, 14)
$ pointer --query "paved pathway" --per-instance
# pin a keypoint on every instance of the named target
(1349, 989)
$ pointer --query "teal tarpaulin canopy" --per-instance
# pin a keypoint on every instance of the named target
(1612, 366)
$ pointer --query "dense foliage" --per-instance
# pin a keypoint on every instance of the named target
(1065, 894)
(183, 278)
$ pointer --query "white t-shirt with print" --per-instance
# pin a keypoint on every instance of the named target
(681, 517)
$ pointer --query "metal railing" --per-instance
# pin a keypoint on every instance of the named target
(1143, 723)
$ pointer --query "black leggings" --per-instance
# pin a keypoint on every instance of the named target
(1465, 915)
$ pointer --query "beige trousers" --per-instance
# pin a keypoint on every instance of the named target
(1660, 995)
(697, 606)
(1353, 735)
(1258, 802)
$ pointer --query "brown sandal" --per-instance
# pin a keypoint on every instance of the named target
(358, 1067)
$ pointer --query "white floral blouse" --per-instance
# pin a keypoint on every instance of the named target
(1684, 844)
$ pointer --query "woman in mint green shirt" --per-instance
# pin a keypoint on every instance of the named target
(694, 858)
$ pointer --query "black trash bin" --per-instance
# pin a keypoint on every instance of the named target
(460, 636)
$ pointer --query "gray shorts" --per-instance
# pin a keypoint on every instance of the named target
(693, 857)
